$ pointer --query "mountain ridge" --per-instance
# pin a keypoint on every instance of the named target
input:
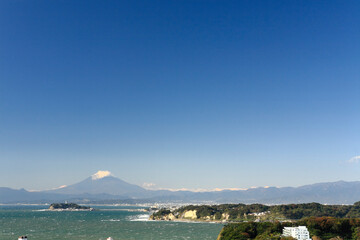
(103, 186)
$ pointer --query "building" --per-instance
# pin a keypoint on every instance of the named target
(299, 233)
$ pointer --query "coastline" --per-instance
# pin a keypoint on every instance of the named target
(188, 220)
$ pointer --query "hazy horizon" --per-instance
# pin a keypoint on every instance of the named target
(152, 186)
(179, 94)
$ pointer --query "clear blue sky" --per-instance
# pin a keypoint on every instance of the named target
(182, 94)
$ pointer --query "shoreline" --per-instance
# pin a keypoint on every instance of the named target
(188, 221)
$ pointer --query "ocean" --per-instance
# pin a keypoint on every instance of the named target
(118, 222)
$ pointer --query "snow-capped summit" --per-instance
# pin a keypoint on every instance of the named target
(101, 174)
(100, 183)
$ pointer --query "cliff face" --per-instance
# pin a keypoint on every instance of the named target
(225, 216)
(166, 217)
(190, 215)
(183, 216)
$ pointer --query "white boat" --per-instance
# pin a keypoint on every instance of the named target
(109, 238)
(22, 238)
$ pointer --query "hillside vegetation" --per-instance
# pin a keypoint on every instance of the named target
(258, 212)
(64, 206)
(320, 228)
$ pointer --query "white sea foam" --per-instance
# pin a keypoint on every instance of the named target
(140, 218)
(111, 220)
(124, 209)
(40, 210)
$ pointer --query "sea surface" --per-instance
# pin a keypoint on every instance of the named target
(118, 222)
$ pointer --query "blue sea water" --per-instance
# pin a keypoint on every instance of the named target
(120, 223)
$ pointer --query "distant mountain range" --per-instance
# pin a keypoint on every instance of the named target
(102, 187)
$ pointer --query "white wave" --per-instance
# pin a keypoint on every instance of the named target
(111, 220)
(140, 218)
(40, 210)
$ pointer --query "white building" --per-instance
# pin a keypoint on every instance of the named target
(299, 233)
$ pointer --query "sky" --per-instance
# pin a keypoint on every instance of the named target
(179, 94)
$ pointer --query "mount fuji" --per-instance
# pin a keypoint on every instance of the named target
(102, 182)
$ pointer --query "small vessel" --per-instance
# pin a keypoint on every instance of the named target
(22, 238)
(109, 238)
